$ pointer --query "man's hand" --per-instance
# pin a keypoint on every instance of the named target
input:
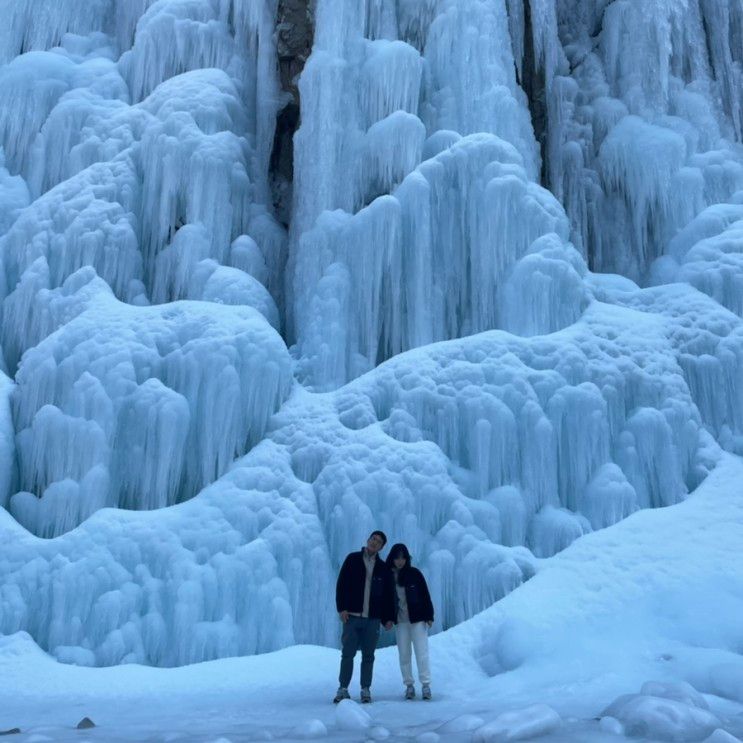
(388, 625)
(344, 616)
(429, 623)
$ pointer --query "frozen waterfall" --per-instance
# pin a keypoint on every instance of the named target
(486, 296)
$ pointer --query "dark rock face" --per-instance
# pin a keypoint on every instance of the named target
(294, 32)
(294, 35)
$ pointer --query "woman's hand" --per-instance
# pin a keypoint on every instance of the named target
(430, 622)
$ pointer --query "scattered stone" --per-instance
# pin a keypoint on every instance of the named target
(85, 724)
(12, 731)
(379, 733)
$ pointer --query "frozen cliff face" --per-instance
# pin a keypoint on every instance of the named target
(203, 409)
(644, 120)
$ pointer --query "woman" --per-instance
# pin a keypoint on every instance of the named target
(414, 616)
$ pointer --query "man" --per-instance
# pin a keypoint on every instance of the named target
(364, 598)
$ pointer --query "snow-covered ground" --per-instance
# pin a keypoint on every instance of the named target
(656, 598)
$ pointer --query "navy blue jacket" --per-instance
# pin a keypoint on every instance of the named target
(349, 589)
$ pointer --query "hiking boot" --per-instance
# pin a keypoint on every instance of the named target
(426, 691)
(341, 694)
(410, 692)
(365, 696)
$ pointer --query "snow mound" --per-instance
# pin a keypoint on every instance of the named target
(350, 716)
(309, 729)
(727, 681)
(119, 384)
(673, 712)
(721, 736)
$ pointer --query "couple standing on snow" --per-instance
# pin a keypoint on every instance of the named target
(371, 592)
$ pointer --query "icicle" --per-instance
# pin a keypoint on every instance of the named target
(390, 80)
(381, 19)
(578, 415)
(649, 459)
(14, 195)
(544, 292)
(428, 262)
(149, 384)
(37, 25)
(481, 97)
(85, 221)
(554, 529)
(393, 147)
(7, 442)
(174, 37)
(608, 497)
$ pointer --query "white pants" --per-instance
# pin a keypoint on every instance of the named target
(411, 636)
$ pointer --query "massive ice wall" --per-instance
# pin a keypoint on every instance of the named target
(643, 122)
(638, 122)
(202, 411)
(479, 453)
(386, 90)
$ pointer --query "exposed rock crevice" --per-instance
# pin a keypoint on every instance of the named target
(294, 35)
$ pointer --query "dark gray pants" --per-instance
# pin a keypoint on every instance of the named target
(358, 632)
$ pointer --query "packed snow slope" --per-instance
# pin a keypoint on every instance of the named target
(604, 640)
(491, 304)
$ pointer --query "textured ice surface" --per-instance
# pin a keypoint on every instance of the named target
(207, 411)
(426, 264)
(120, 384)
(470, 451)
